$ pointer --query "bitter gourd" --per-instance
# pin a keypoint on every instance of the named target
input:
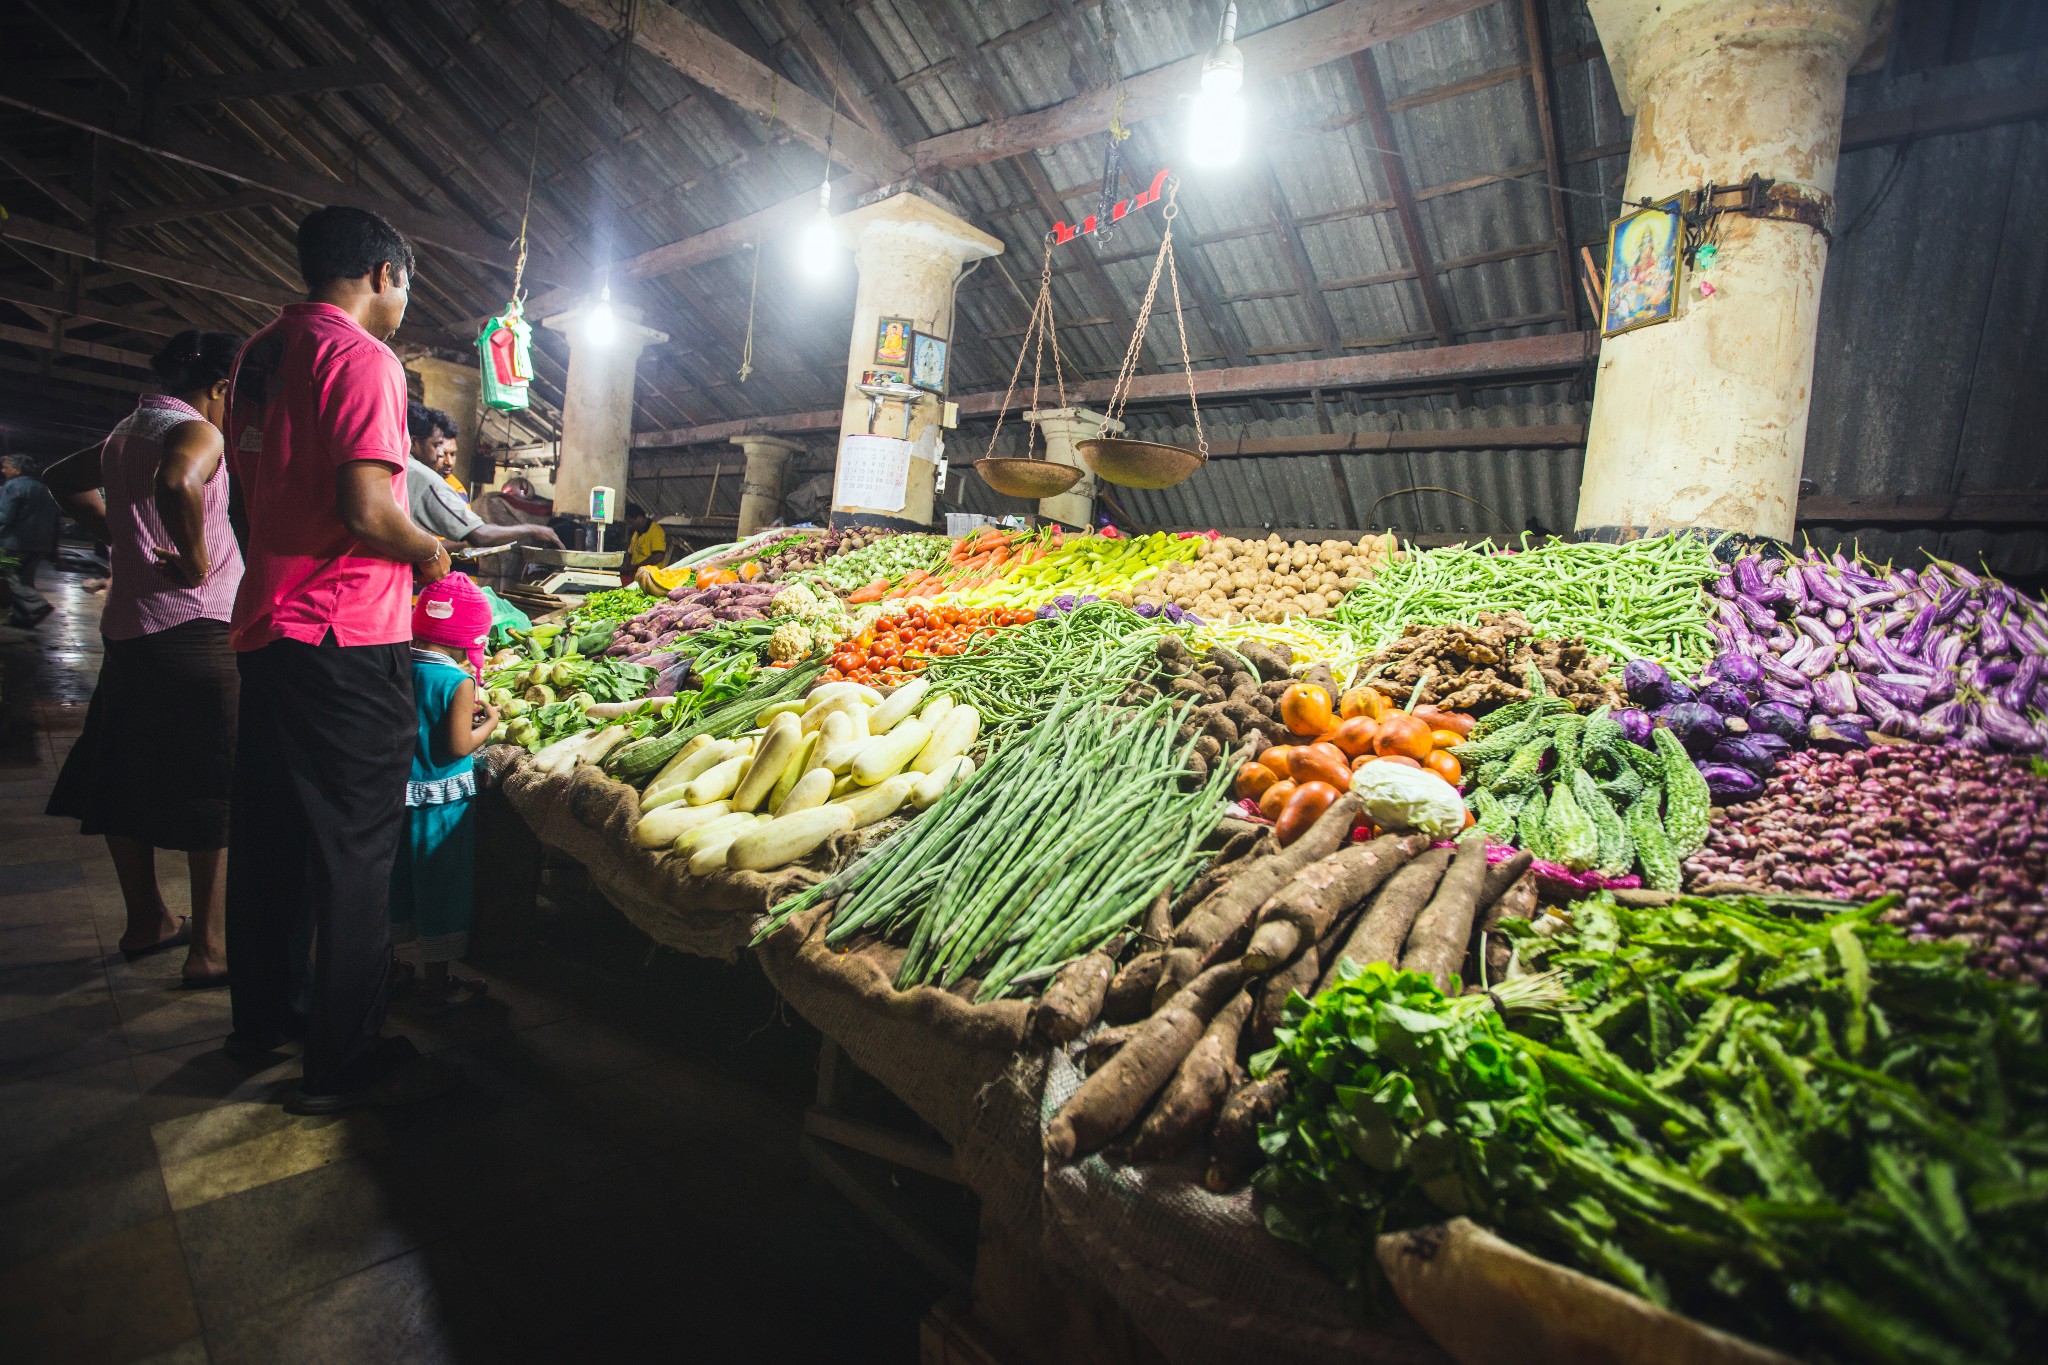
(1529, 831)
(1526, 767)
(1617, 850)
(1688, 805)
(1569, 831)
(1654, 853)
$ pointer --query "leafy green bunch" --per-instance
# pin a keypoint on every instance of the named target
(1810, 1130)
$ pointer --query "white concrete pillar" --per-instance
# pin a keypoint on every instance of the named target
(458, 391)
(1701, 421)
(1061, 428)
(909, 251)
(761, 493)
(597, 410)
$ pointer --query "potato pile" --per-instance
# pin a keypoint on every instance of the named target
(1263, 580)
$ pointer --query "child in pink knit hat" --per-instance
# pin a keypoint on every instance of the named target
(433, 889)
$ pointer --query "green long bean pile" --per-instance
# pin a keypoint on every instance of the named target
(1818, 1133)
(1639, 600)
(1015, 675)
(1055, 847)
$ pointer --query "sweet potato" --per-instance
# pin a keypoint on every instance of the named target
(1113, 1097)
(1383, 929)
(1437, 941)
(1235, 1139)
(1073, 998)
(1300, 911)
(1188, 1108)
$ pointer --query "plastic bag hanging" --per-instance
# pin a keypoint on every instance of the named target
(505, 354)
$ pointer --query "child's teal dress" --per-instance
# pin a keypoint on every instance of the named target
(433, 879)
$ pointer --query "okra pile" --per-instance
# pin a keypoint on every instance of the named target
(1573, 790)
(1815, 1132)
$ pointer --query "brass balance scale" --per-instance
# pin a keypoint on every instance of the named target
(1132, 464)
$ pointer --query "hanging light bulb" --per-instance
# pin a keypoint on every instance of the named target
(818, 252)
(1216, 115)
(601, 327)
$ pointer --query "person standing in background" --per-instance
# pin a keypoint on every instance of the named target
(28, 531)
(154, 764)
(441, 510)
(323, 627)
(649, 546)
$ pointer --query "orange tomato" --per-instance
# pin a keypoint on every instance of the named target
(1445, 766)
(1369, 702)
(1355, 735)
(1362, 760)
(1253, 779)
(1277, 759)
(1402, 759)
(1303, 808)
(750, 571)
(1444, 739)
(1305, 709)
(1438, 719)
(1400, 733)
(1324, 763)
(1276, 796)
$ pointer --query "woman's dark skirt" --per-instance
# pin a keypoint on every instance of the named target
(157, 755)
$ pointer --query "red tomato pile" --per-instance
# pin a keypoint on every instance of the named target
(895, 647)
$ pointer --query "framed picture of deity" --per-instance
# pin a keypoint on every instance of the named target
(1645, 256)
(928, 362)
(892, 342)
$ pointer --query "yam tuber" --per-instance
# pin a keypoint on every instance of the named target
(1131, 990)
(1235, 1139)
(1517, 902)
(1298, 975)
(1074, 997)
(1383, 929)
(1103, 1046)
(1188, 1108)
(1113, 1097)
(1299, 912)
(1228, 910)
(1438, 939)
(1502, 875)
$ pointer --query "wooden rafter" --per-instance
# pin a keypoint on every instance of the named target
(1534, 34)
(1395, 171)
(249, 85)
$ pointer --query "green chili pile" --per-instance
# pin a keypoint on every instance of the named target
(1059, 844)
(1817, 1133)
(1639, 600)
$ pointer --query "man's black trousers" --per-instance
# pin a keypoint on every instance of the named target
(325, 746)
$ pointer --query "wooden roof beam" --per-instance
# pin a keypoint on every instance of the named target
(1395, 172)
(64, 345)
(1534, 33)
(178, 212)
(90, 310)
(249, 85)
(698, 53)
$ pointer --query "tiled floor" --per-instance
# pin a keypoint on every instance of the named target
(619, 1181)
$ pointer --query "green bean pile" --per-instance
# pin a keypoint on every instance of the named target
(1044, 855)
(1013, 676)
(1639, 600)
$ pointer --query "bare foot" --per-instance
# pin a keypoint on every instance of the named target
(167, 927)
(205, 966)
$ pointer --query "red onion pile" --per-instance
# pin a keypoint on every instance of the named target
(1964, 836)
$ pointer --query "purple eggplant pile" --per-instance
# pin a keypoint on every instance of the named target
(1940, 655)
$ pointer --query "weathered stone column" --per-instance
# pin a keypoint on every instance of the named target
(597, 409)
(761, 493)
(909, 249)
(458, 391)
(1701, 421)
(1061, 428)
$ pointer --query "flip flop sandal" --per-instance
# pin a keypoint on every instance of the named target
(461, 992)
(179, 939)
(213, 981)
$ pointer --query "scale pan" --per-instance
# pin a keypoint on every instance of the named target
(1138, 464)
(1027, 478)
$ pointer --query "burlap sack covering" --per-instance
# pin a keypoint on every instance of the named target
(970, 1071)
(590, 817)
(1198, 1272)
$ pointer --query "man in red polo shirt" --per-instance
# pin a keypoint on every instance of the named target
(322, 626)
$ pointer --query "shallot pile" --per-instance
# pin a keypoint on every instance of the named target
(1940, 654)
(1962, 835)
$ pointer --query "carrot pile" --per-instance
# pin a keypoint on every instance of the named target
(974, 561)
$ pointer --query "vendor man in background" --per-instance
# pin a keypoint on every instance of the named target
(437, 508)
(649, 545)
(322, 627)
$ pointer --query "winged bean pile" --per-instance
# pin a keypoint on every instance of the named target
(1640, 600)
